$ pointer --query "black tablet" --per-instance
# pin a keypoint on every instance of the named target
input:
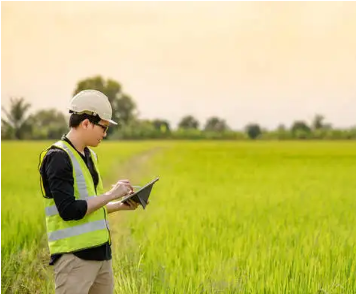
(141, 196)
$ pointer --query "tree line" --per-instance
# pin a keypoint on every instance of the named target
(51, 124)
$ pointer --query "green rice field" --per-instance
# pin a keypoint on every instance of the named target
(225, 217)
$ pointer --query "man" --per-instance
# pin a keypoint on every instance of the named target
(76, 205)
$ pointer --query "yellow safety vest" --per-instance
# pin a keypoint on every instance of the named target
(90, 231)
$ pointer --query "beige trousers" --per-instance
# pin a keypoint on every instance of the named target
(77, 276)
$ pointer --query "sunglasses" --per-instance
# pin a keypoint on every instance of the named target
(105, 128)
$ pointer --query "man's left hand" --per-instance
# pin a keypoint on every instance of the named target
(128, 205)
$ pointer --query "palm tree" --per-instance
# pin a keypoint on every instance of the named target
(16, 117)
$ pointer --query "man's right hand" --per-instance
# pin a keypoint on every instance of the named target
(120, 189)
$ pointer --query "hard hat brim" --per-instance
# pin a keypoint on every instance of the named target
(111, 122)
(88, 112)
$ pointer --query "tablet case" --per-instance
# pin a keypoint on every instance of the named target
(141, 196)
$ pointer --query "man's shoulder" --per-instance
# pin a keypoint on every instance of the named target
(55, 161)
(55, 151)
(55, 154)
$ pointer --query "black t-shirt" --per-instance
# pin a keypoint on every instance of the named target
(58, 183)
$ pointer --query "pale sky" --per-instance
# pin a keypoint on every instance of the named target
(246, 62)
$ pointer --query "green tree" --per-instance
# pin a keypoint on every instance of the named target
(161, 125)
(188, 122)
(124, 108)
(281, 128)
(282, 133)
(15, 122)
(300, 126)
(215, 124)
(318, 122)
(48, 124)
(253, 131)
(137, 129)
(300, 130)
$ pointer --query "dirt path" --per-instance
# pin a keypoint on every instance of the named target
(133, 169)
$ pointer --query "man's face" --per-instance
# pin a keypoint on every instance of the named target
(96, 133)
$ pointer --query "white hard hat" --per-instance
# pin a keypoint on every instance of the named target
(94, 102)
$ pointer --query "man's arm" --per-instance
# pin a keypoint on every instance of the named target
(117, 206)
(98, 202)
(112, 207)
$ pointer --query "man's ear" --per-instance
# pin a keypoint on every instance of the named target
(85, 123)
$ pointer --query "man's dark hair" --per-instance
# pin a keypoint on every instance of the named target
(75, 119)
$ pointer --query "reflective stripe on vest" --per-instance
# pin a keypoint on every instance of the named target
(82, 186)
(77, 230)
(52, 210)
